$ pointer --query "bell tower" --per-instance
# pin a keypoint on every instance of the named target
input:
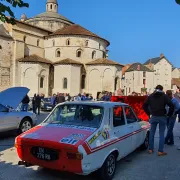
(52, 6)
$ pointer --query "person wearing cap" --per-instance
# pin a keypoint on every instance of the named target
(155, 106)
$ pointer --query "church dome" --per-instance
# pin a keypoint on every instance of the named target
(51, 15)
(51, 19)
(52, 1)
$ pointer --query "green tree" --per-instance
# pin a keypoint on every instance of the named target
(6, 9)
(178, 1)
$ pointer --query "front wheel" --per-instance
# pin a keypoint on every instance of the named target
(145, 145)
(25, 125)
(108, 169)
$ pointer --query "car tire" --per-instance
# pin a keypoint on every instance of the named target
(108, 169)
(145, 144)
(25, 125)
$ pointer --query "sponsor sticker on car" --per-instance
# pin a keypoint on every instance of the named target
(94, 137)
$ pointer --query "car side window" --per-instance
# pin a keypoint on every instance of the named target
(3, 108)
(130, 116)
(118, 116)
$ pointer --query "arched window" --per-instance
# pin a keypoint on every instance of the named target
(38, 42)
(68, 42)
(55, 6)
(83, 81)
(58, 53)
(79, 53)
(53, 41)
(51, 6)
(93, 54)
(86, 43)
(65, 83)
(42, 82)
(0, 47)
(99, 46)
(24, 39)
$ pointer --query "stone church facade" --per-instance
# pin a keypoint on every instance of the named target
(48, 54)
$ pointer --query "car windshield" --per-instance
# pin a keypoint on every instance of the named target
(79, 115)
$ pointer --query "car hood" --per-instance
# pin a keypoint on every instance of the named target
(12, 97)
(62, 134)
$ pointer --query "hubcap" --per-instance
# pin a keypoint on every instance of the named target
(25, 126)
(111, 164)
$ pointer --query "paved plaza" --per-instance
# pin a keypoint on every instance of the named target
(137, 166)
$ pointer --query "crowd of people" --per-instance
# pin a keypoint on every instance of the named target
(163, 109)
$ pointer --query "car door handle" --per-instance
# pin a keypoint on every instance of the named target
(130, 126)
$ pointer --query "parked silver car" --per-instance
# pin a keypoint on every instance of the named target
(11, 118)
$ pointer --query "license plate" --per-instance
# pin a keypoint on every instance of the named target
(44, 153)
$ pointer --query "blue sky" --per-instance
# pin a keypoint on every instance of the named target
(137, 29)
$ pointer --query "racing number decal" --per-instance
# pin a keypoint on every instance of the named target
(69, 141)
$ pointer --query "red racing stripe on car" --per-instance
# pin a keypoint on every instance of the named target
(90, 151)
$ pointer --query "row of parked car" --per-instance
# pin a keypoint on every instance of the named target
(45, 104)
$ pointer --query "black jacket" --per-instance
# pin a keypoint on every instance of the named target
(155, 104)
(26, 100)
(60, 99)
(38, 101)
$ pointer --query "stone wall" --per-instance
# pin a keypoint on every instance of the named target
(5, 63)
(51, 25)
(52, 45)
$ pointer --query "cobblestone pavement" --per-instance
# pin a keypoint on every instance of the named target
(137, 166)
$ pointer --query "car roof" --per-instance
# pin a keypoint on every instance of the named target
(96, 103)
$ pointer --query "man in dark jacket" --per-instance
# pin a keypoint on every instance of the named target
(60, 98)
(155, 105)
(25, 103)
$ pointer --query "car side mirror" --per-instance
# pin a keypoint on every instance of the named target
(139, 119)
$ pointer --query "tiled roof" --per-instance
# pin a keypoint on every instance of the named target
(125, 68)
(104, 61)
(176, 81)
(34, 58)
(68, 61)
(138, 67)
(156, 60)
(76, 29)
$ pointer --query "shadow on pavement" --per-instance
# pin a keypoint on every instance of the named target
(7, 140)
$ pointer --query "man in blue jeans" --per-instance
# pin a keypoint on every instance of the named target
(171, 120)
(155, 105)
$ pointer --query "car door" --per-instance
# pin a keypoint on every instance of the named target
(133, 126)
(3, 113)
(121, 131)
(8, 120)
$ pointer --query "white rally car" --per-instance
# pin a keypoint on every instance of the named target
(82, 137)
(10, 117)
